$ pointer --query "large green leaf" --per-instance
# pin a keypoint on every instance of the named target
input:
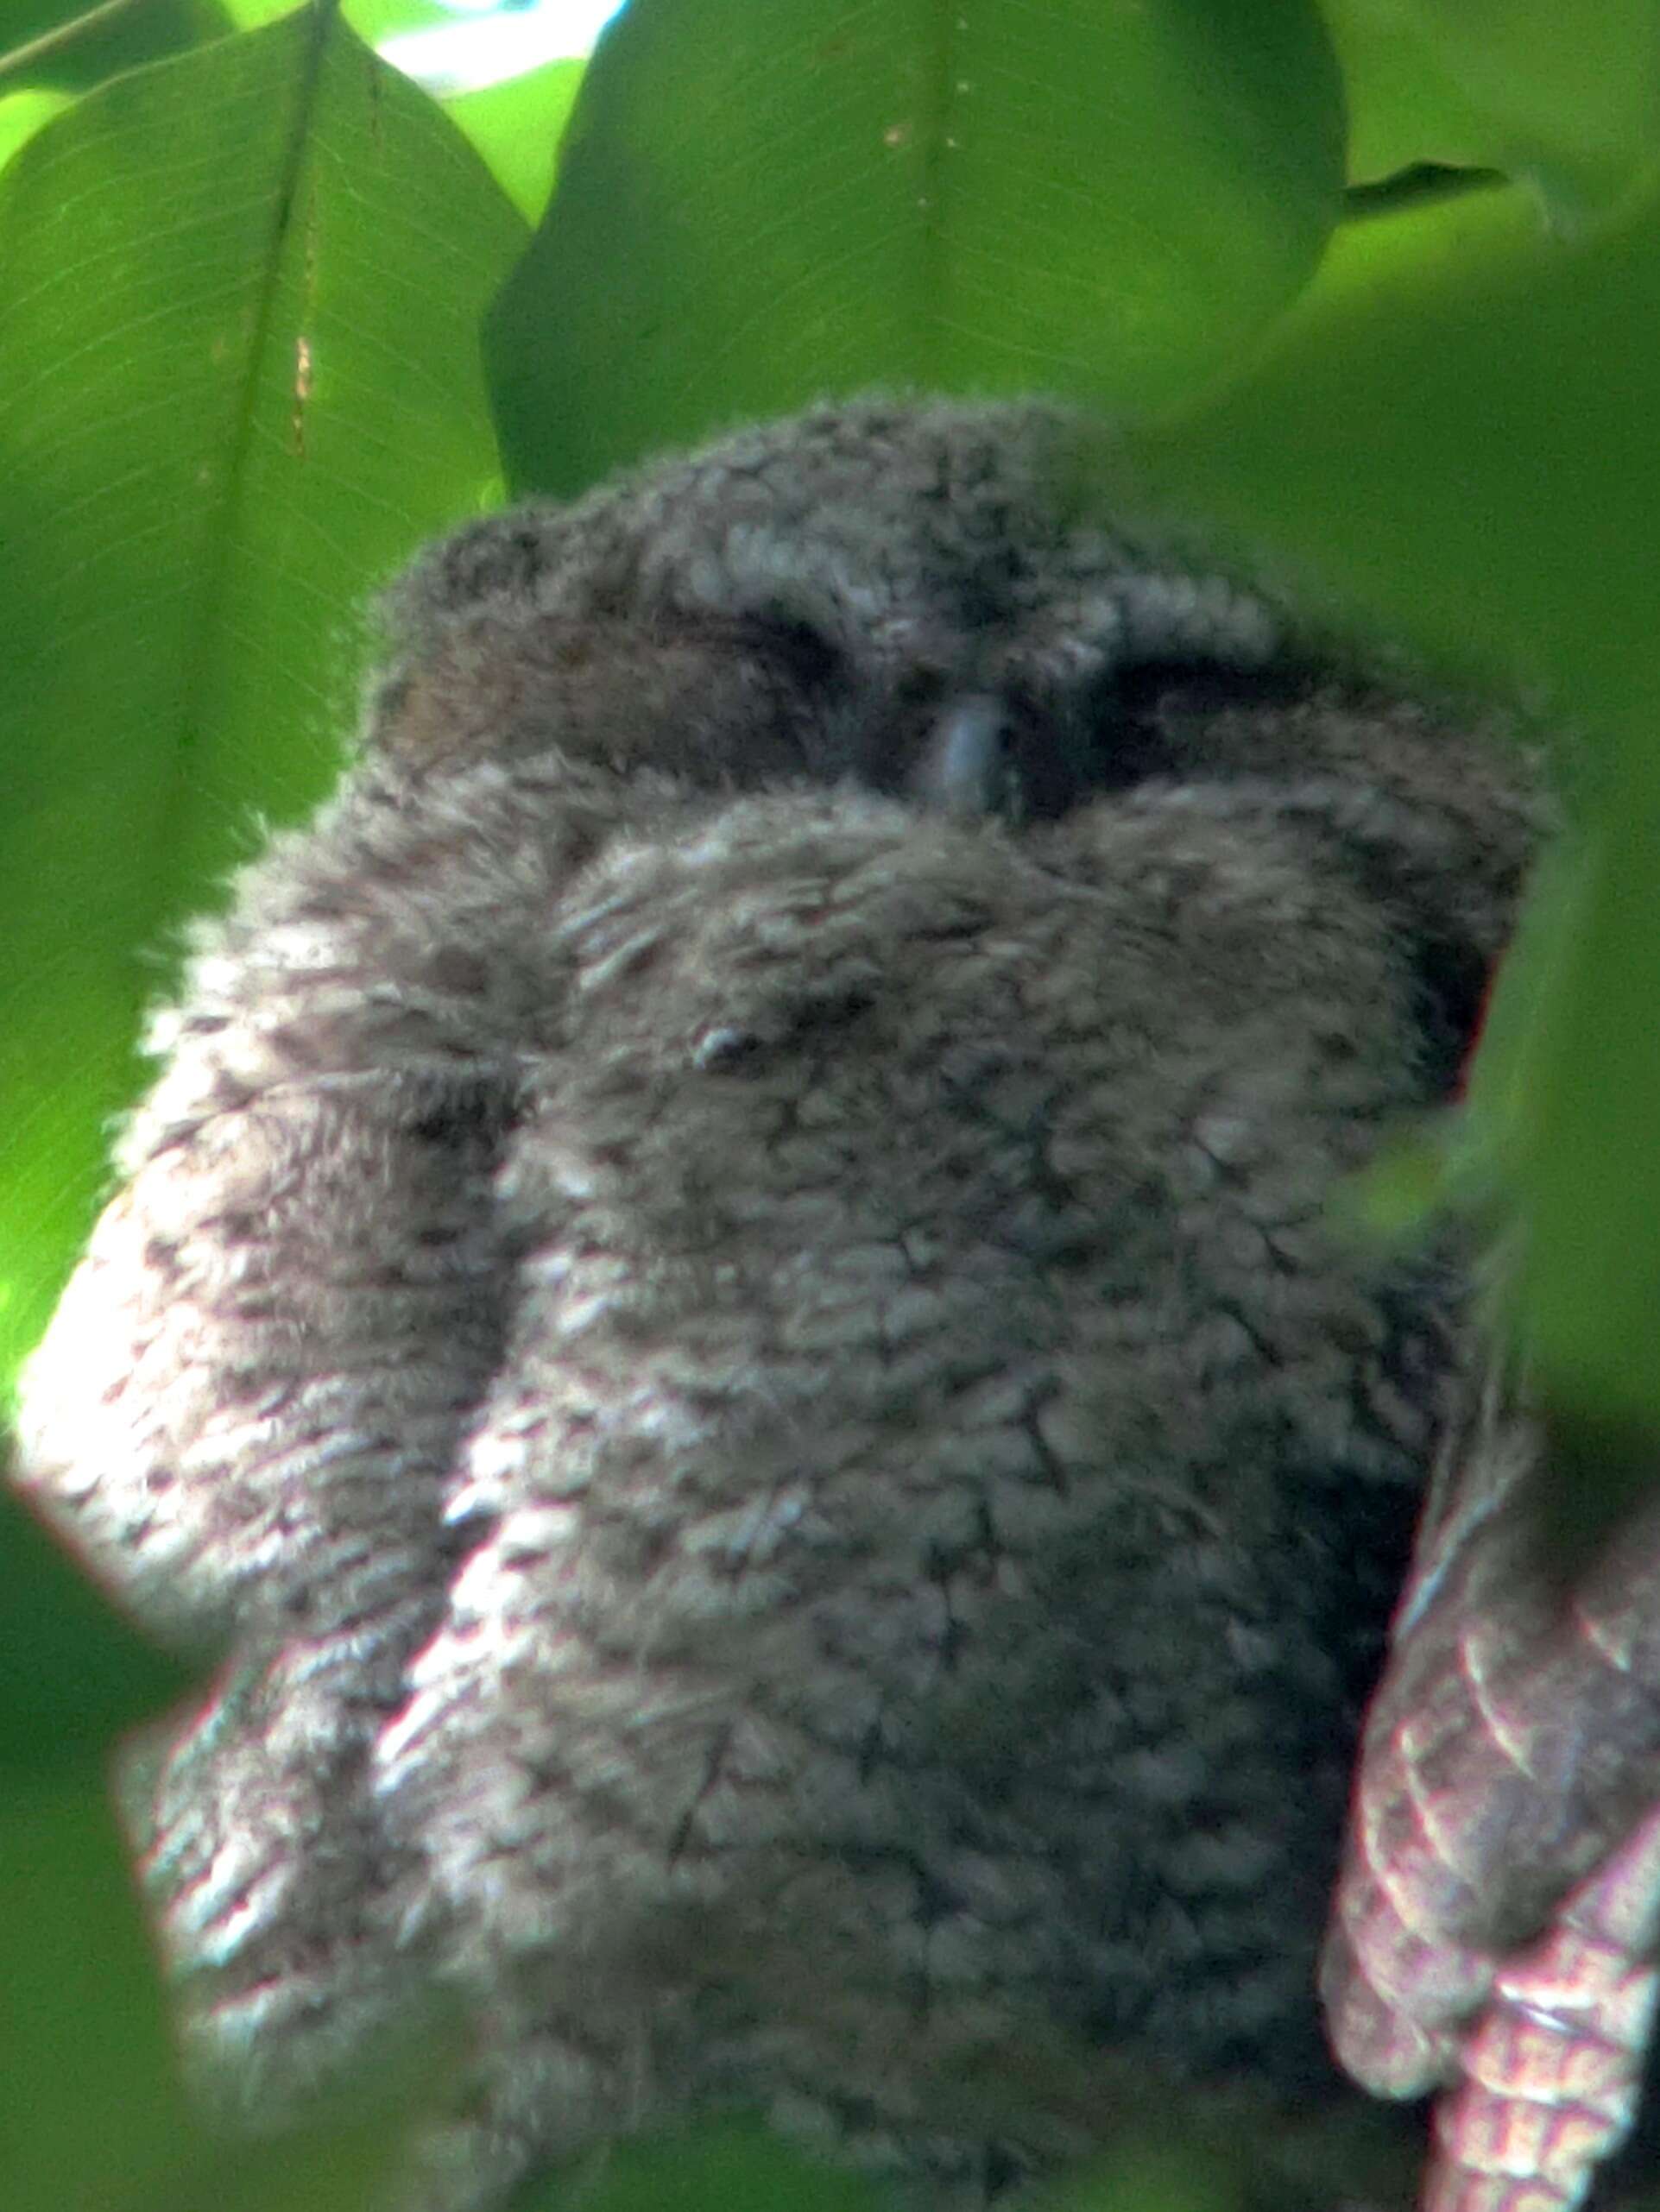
(1483, 398)
(58, 42)
(758, 205)
(1565, 98)
(92, 2116)
(1454, 431)
(239, 294)
(73, 1674)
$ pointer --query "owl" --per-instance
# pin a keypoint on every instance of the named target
(731, 1302)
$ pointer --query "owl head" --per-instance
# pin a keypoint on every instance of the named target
(911, 597)
(927, 599)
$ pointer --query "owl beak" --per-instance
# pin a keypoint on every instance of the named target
(967, 767)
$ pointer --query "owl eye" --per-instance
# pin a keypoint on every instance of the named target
(1187, 718)
(802, 653)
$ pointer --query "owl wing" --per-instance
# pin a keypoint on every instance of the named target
(1498, 1915)
(247, 1405)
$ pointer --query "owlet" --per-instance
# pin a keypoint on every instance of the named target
(728, 1298)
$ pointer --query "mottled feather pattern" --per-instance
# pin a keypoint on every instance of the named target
(728, 1294)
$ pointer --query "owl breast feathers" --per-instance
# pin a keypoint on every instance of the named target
(728, 1298)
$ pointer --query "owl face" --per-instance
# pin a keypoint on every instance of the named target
(907, 597)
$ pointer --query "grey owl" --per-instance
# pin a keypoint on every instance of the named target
(728, 1298)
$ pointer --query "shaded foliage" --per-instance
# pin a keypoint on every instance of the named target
(267, 318)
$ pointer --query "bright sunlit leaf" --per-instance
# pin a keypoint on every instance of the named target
(757, 206)
(239, 296)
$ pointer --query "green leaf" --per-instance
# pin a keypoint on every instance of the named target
(710, 2169)
(758, 205)
(94, 2115)
(1588, 1167)
(1153, 2177)
(517, 126)
(1480, 394)
(1565, 99)
(1403, 108)
(239, 294)
(82, 46)
(1484, 397)
(73, 1677)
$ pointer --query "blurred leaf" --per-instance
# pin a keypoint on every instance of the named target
(1424, 372)
(351, 2155)
(797, 200)
(1565, 99)
(1588, 1286)
(1215, 2149)
(1484, 397)
(712, 2169)
(73, 1677)
(1152, 2178)
(227, 406)
(92, 2115)
(1403, 109)
(1481, 394)
(96, 45)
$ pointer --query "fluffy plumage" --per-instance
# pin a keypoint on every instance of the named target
(727, 1290)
